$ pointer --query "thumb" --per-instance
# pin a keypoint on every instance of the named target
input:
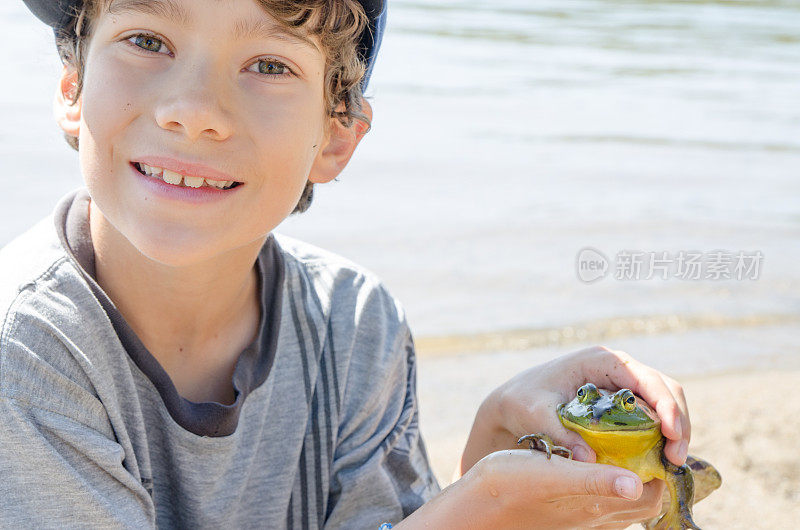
(610, 484)
(604, 481)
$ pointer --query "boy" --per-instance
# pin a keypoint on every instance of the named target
(166, 360)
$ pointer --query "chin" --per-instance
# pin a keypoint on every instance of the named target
(175, 248)
(174, 257)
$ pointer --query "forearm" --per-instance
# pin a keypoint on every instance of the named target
(524, 489)
(486, 436)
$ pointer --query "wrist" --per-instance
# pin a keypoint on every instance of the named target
(487, 434)
(466, 503)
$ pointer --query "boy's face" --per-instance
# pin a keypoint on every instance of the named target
(202, 95)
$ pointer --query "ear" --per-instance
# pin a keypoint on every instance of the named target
(338, 147)
(67, 116)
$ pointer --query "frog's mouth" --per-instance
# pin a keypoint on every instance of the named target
(595, 425)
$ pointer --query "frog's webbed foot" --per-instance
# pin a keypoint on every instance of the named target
(706, 478)
(673, 521)
(542, 442)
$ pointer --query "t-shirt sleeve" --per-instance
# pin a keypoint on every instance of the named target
(58, 473)
(60, 464)
(381, 472)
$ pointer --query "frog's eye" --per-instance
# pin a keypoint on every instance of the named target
(586, 392)
(628, 400)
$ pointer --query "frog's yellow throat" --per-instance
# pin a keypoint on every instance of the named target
(632, 450)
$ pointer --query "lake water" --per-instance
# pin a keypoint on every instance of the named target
(507, 136)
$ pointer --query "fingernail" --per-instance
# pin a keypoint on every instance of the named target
(580, 454)
(625, 487)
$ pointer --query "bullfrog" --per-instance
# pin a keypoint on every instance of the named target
(625, 431)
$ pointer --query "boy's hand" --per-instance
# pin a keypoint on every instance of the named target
(527, 404)
(523, 489)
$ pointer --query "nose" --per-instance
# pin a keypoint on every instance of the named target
(195, 106)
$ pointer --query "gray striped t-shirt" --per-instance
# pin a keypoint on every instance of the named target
(93, 434)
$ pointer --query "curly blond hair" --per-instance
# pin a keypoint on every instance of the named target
(338, 25)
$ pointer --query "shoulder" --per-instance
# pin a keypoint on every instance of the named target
(30, 267)
(364, 325)
(27, 258)
(361, 322)
(46, 313)
(344, 290)
(314, 260)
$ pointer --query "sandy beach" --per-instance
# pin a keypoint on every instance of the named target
(745, 423)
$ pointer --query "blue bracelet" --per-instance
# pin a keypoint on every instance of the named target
(385, 526)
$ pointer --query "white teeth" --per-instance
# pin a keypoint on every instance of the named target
(193, 182)
(172, 177)
(157, 171)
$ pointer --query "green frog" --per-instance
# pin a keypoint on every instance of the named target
(625, 431)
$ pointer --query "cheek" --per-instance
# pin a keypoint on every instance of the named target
(285, 134)
(111, 91)
(108, 101)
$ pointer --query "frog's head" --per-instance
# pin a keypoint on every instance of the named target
(600, 410)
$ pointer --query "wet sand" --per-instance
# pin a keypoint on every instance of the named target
(745, 423)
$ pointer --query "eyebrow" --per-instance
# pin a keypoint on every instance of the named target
(177, 14)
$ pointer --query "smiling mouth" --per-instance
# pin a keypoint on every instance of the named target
(183, 181)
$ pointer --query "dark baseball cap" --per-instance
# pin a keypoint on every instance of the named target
(59, 14)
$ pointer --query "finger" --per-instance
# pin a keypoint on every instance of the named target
(620, 370)
(581, 452)
(619, 513)
(636, 509)
(559, 477)
(539, 417)
(648, 505)
(676, 450)
(569, 478)
(567, 438)
(680, 399)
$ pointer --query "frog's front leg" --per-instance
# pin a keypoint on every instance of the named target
(680, 484)
(542, 442)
